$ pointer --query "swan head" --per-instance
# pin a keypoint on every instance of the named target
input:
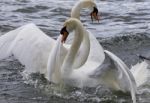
(69, 26)
(75, 12)
(64, 34)
(94, 14)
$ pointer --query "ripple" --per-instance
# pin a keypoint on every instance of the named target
(31, 9)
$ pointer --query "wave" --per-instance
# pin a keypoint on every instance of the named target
(61, 93)
(127, 47)
(125, 38)
(34, 9)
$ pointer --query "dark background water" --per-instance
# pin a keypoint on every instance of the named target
(123, 29)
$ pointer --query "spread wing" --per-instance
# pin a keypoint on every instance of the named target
(114, 72)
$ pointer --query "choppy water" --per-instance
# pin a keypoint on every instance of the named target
(124, 29)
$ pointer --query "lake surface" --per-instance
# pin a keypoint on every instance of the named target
(124, 29)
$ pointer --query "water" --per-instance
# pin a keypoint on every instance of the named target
(124, 29)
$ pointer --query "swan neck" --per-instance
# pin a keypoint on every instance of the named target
(76, 42)
(75, 12)
(85, 48)
(70, 57)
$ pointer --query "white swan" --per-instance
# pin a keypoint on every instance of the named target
(90, 48)
(113, 73)
(88, 75)
(32, 47)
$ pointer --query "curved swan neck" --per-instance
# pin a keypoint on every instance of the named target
(75, 12)
(85, 48)
(70, 57)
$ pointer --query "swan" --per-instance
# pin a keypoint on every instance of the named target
(85, 76)
(33, 48)
(112, 73)
(90, 48)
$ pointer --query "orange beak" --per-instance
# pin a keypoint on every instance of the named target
(64, 34)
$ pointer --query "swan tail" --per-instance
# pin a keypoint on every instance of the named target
(141, 72)
(125, 74)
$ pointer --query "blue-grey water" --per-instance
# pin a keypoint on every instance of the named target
(124, 29)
